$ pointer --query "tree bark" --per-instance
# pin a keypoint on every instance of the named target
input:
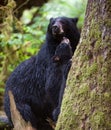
(87, 99)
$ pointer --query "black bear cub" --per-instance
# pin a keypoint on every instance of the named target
(63, 52)
(36, 98)
(63, 61)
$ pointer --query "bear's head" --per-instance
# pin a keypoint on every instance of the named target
(64, 27)
(63, 52)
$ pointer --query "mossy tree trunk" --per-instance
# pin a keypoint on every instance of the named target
(87, 99)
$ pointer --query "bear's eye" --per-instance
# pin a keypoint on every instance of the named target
(63, 23)
(53, 22)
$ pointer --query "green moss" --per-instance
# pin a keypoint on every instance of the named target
(107, 95)
(84, 58)
(100, 79)
(97, 119)
(83, 90)
(108, 22)
(93, 95)
(92, 69)
(97, 45)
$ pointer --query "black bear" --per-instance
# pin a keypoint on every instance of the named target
(60, 68)
(29, 81)
(63, 52)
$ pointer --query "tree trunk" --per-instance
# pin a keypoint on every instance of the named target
(87, 99)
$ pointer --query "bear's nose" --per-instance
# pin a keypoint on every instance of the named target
(55, 27)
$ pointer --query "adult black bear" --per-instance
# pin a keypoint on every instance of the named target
(29, 80)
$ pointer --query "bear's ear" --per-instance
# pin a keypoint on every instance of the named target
(51, 19)
(75, 20)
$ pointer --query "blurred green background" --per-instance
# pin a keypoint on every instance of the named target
(21, 38)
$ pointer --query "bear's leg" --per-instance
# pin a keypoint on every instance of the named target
(45, 126)
(27, 114)
(57, 110)
(36, 122)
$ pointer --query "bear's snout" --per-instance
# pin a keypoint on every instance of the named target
(57, 28)
(65, 40)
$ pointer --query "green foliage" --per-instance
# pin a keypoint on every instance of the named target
(20, 39)
(70, 8)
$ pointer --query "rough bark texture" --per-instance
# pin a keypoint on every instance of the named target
(87, 99)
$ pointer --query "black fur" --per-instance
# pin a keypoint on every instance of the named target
(60, 68)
